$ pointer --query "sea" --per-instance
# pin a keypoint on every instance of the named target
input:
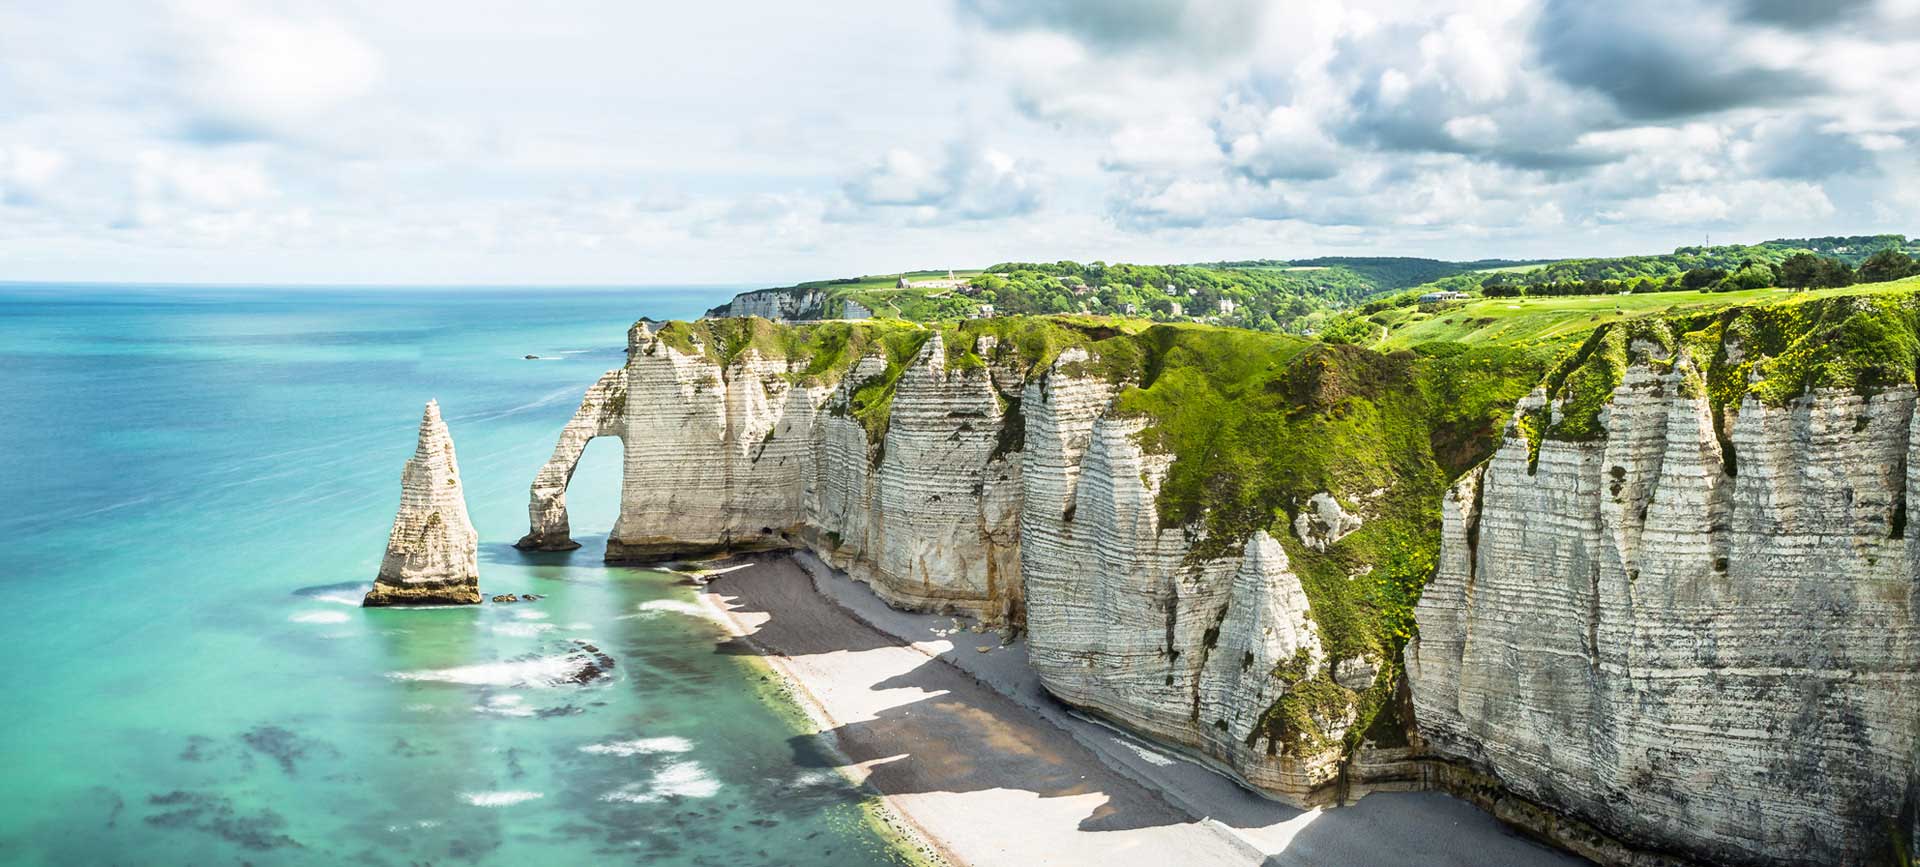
(196, 485)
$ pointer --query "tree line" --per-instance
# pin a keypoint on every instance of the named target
(1798, 271)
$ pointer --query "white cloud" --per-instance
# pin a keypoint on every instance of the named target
(1177, 143)
(27, 171)
(1751, 201)
(293, 140)
(213, 183)
(967, 181)
(1285, 143)
(246, 74)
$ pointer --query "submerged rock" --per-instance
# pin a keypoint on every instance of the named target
(506, 597)
(432, 552)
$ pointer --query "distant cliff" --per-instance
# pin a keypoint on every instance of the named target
(777, 304)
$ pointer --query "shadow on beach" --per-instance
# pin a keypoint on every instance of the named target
(961, 737)
(953, 734)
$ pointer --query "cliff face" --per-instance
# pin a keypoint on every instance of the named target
(988, 472)
(1692, 623)
(1674, 614)
(776, 304)
(1122, 621)
(431, 552)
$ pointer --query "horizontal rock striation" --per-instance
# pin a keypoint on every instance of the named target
(602, 412)
(1122, 622)
(1673, 617)
(431, 554)
(776, 304)
(982, 477)
(1696, 630)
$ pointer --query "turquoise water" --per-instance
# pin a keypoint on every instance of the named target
(196, 489)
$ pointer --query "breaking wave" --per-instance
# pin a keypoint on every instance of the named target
(643, 746)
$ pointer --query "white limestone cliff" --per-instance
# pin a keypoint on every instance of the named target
(776, 304)
(1683, 638)
(1016, 499)
(431, 554)
(1121, 622)
(602, 412)
(1706, 654)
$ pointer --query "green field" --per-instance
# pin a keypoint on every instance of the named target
(1556, 321)
(1512, 269)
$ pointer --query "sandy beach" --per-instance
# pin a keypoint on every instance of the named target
(969, 751)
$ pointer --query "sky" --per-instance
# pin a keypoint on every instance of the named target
(757, 142)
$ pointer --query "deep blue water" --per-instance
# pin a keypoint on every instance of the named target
(195, 488)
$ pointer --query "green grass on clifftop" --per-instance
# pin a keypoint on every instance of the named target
(1864, 339)
(1559, 322)
(1256, 424)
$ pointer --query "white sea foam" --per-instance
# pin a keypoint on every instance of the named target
(579, 626)
(679, 779)
(530, 615)
(339, 598)
(657, 607)
(520, 630)
(320, 617)
(499, 799)
(551, 397)
(642, 746)
(544, 671)
(506, 705)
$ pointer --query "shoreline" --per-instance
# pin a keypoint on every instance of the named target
(911, 704)
(893, 823)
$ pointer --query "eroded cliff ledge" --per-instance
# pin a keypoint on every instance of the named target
(1680, 602)
(1128, 494)
(431, 551)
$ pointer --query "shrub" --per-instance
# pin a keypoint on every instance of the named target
(1888, 264)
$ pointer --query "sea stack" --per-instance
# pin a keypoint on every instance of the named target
(431, 553)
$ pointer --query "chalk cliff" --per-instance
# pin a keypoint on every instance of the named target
(981, 469)
(431, 552)
(776, 304)
(1680, 604)
(1673, 615)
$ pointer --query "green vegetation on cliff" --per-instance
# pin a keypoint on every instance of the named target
(1554, 323)
(1263, 295)
(1866, 340)
(1258, 423)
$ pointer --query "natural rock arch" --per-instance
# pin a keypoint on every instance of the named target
(602, 412)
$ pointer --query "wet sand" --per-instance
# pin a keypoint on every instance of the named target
(971, 753)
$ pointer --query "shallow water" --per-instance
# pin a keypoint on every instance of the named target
(197, 487)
